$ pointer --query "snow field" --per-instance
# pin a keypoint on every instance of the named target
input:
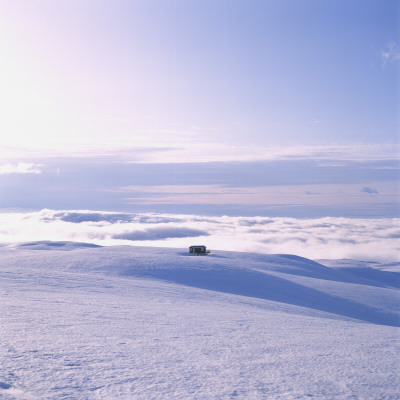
(145, 323)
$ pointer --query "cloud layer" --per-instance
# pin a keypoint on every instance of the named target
(363, 239)
(195, 149)
(311, 187)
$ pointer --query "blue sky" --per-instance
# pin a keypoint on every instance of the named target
(238, 107)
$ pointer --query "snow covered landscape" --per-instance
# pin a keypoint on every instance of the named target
(263, 133)
(81, 321)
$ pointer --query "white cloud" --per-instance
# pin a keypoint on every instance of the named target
(363, 239)
(316, 121)
(20, 168)
(390, 54)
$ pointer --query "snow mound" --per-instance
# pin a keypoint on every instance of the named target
(59, 245)
(338, 289)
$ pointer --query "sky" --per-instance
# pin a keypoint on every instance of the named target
(273, 108)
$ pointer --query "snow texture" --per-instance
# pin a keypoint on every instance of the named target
(80, 321)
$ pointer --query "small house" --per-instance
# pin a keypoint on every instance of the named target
(198, 250)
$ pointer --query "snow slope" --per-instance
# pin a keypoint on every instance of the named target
(80, 321)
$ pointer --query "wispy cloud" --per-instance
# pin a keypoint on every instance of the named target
(315, 194)
(202, 151)
(20, 168)
(390, 54)
(364, 239)
(369, 190)
(195, 149)
(316, 121)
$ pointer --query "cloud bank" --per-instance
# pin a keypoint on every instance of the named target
(315, 238)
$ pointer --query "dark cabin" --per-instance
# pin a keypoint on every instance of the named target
(198, 250)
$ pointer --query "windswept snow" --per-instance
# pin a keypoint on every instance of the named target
(122, 322)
